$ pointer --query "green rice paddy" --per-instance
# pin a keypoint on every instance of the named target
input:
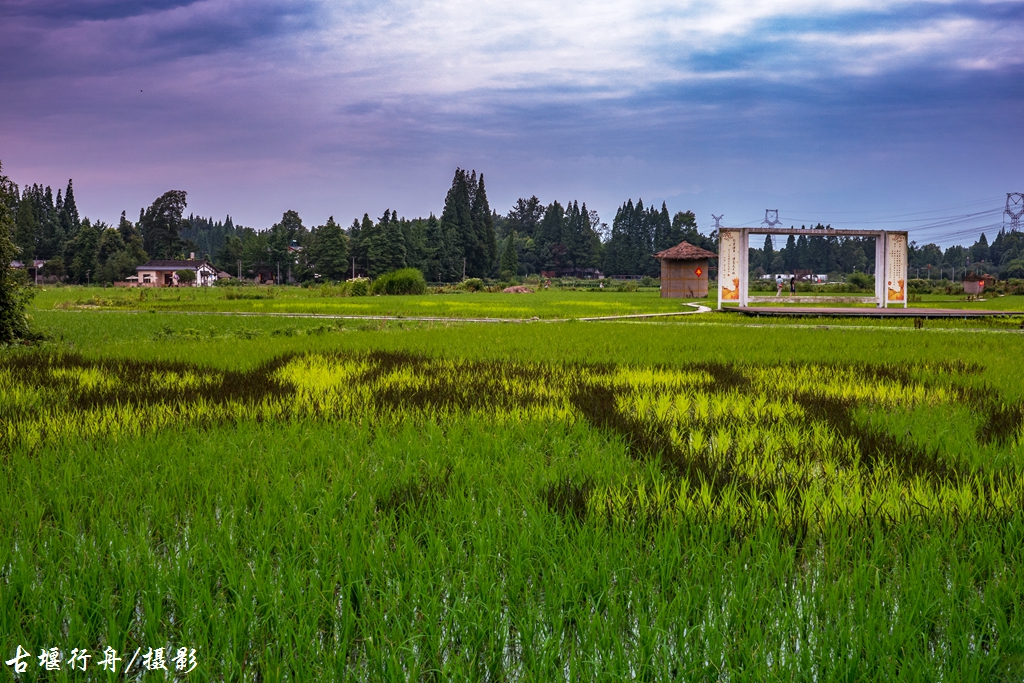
(301, 499)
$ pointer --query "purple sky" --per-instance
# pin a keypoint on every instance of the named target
(844, 111)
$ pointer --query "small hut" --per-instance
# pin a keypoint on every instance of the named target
(684, 271)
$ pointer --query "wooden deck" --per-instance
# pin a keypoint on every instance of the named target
(779, 311)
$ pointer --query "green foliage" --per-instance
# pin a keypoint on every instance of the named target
(385, 245)
(862, 281)
(358, 286)
(473, 284)
(14, 295)
(328, 253)
(161, 223)
(186, 276)
(404, 281)
(510, 257)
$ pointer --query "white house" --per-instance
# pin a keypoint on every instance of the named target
(165, 273)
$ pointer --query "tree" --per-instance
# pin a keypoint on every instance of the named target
(510, 258)
(230, 254)
(160, 225)
(328, 251)
(767, 254)
(27, 225)
(385, 248)
(70, 223)
(14, 296)
(483, 229)
(457, 226)
(81, 254)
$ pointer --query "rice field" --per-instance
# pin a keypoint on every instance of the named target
(555, 502)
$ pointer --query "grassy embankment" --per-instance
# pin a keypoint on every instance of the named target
(315, 501)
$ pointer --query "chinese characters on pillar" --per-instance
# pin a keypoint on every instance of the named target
(729, 265)
(896, 270)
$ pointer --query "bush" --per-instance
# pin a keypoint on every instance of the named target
(404, 281)
(473, 284)
(627, 286)
(186, 275)
(648, 281)
(861, 281)
(358, 286)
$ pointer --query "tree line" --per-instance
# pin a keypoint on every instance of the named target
(468, 239)
(833, 254)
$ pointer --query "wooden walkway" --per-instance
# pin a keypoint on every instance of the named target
(783, 311)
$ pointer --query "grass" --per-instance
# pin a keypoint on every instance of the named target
(545, 304)
(301, 499)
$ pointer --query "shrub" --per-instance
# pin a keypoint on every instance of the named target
(861, 281)
(473, 284)
(627, 286)
(186, 275)
(648, 281)
(404, 281)
(358, 286)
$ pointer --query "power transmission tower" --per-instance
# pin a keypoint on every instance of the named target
(771, 218)
(1014, 208)
(717, 219)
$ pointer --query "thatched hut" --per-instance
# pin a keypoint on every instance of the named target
(684, 271)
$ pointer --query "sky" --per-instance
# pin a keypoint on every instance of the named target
(858, 113)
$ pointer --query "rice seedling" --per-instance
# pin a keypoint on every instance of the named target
(349, 506)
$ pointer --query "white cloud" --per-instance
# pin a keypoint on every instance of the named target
(439, 47)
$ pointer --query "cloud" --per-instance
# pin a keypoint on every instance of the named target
(323, 99)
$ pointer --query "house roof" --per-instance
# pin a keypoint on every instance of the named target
(684, 251)
(174, 265)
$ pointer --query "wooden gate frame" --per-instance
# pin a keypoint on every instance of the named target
(890, 264)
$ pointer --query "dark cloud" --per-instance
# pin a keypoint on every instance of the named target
(58, 40)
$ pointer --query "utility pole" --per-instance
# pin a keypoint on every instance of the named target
(771, 218)
(1014, 208)
(353, 267)
(278, 272)
(239, 269)
(463, 267)
(717, 219)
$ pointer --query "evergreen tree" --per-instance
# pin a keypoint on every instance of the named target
(457, 227)
(230, 254)
(510, 258)
(790, 254)
(386, 245)
(767, 254)
(663, 231)
(548, 238)
(26, 227)
(160, 224)
(328, 251)
(68, 214)
(367, 237)
(394, 240)
(81, 254)
(483, 229)
(50, 243)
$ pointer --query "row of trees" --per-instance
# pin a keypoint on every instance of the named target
(469, 239)
(852, 254)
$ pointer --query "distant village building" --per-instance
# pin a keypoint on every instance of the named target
(33, 268)
(165, 273)
(684, 271)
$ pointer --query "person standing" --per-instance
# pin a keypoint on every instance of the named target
(778, 285)
(792, 285)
